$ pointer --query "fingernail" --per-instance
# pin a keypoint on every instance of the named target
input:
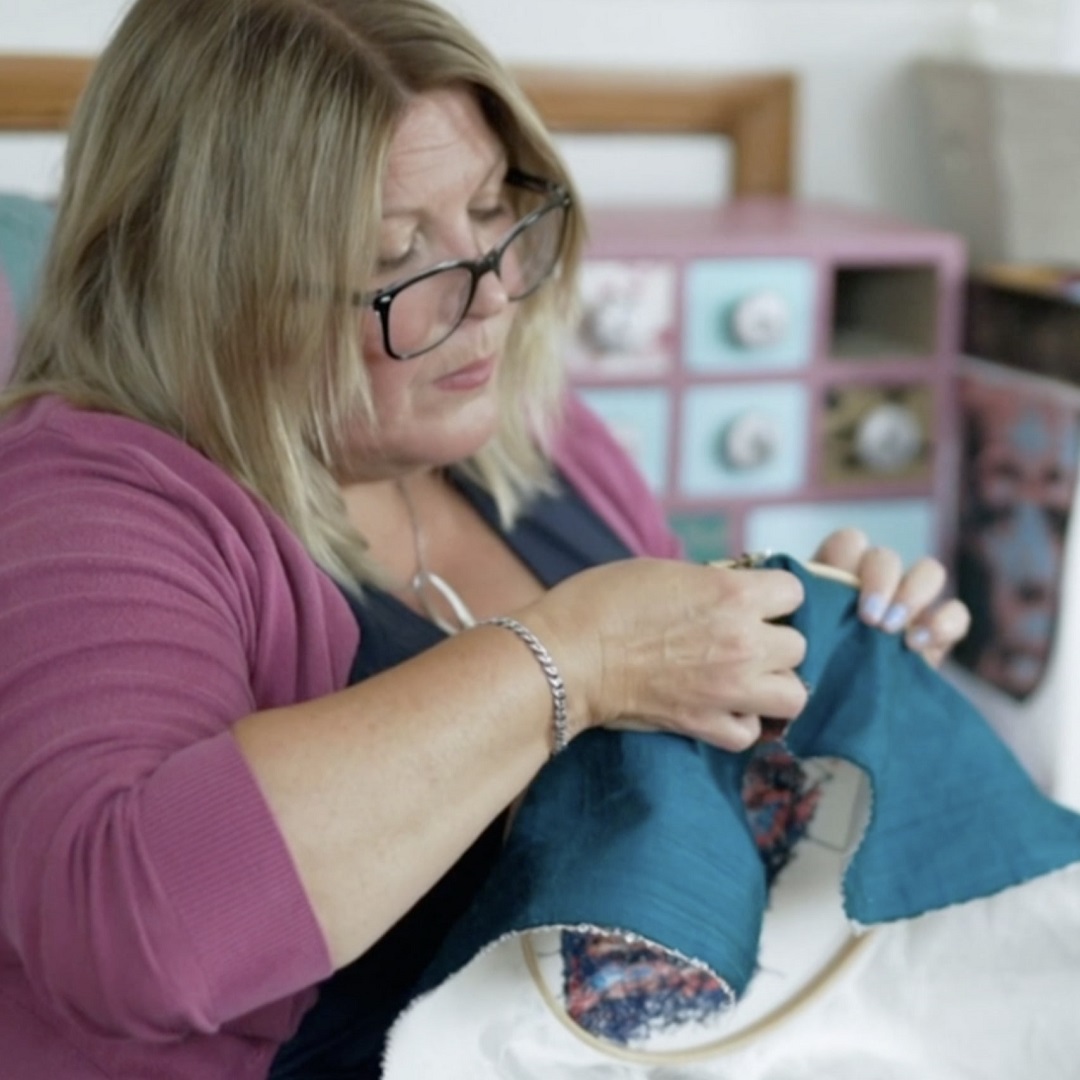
(895, 618)
(872, 607)
(919, 638)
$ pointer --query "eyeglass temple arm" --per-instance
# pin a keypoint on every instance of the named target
(517, 178)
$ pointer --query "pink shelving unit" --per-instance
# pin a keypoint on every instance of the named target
(778, 369)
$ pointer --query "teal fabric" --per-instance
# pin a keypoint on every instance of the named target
(631, 832)
(25, 226)
(953, 815)
(646, 833)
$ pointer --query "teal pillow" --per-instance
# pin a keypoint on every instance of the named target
(25, 225)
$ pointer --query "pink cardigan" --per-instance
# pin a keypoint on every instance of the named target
(151, 921)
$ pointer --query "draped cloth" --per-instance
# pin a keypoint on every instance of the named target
(645, 834)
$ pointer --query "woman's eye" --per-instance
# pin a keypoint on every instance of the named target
(389, 264)
(487, 215)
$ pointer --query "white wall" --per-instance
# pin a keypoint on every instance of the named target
(860, 141)
(857, 139)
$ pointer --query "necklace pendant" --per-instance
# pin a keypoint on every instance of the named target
(423, 583)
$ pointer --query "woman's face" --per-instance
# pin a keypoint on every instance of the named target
(443, 198)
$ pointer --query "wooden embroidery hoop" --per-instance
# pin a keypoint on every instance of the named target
(714, 1047)
(807, 992)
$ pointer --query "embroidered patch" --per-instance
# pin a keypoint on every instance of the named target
(623, 991)
(780, 801)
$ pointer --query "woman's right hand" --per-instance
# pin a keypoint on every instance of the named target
(676, 646)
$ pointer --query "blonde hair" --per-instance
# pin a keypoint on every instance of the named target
(225, 155)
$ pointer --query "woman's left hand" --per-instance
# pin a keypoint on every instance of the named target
(896, 600)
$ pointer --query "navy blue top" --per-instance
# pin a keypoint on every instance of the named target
(343, 1034)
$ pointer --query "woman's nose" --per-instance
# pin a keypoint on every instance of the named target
(490, 296)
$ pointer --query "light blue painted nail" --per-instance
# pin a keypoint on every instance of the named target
(895, 618)
(873, 607)
(919, 638)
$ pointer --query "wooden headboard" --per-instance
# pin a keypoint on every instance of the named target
(756, 112)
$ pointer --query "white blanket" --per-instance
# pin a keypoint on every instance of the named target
(989, 990)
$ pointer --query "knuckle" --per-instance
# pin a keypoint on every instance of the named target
(799, 646)
(954, 619)
(793, 699)
(843, 549)
(930, 574)
(740, 586)
(742, 644)
(849, 538)
(742, 735)
(796, 591)
(933, 568)
(887, 559)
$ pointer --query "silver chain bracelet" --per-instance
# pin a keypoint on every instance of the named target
(560, 728)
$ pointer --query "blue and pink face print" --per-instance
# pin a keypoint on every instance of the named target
(1018, 475)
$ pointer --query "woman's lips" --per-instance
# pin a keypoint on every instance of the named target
(470, 377)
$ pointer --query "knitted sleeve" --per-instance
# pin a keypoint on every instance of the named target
(146, 604)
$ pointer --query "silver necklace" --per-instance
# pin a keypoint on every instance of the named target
(424, 582)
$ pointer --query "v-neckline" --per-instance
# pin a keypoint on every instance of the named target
(557, 535)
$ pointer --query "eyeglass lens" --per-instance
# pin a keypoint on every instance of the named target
(425, 313)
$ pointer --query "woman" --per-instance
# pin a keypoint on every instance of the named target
(290, 388)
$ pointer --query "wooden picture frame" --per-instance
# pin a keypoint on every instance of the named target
(756, 112)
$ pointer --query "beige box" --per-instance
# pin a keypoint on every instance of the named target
(1006, 158)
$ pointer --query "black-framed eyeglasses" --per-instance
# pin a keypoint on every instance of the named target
(421, 312)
